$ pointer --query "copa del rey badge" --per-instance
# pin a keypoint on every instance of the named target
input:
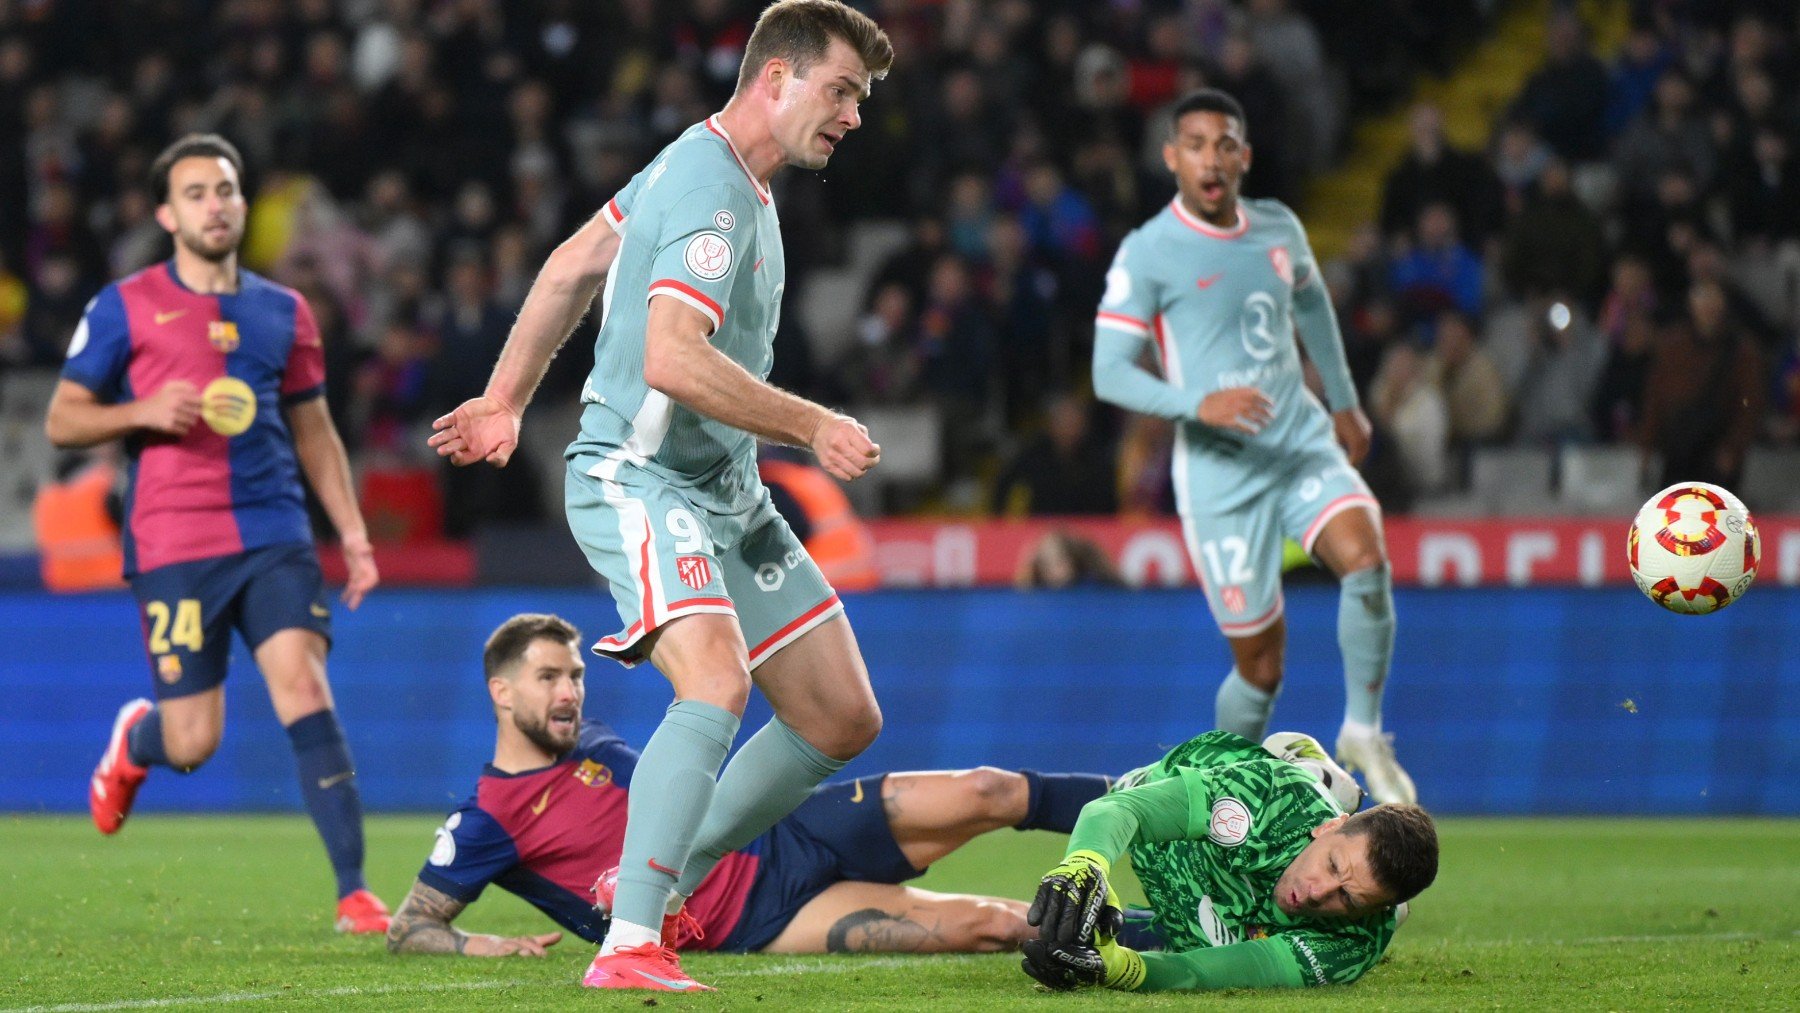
(694, 571)
(1230, 823)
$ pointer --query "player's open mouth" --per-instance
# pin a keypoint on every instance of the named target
(562, 722)
(1212, 189)
(831, 141)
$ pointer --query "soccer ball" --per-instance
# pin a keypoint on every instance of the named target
(1693, 548)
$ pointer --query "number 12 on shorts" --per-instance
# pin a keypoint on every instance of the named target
(1238, 571)
(186, 630)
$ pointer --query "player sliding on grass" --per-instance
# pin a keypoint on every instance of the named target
(710, 583)
(215, 379)
(548, 819)
(1256, 875)
(1217, 284)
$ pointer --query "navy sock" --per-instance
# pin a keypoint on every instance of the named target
(1055, 800)
(144, 743)
(328, 782)
(1140, 932)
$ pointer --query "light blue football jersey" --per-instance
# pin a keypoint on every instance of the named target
(1218, 306)
(697, 227)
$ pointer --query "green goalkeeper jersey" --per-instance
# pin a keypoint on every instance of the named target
(1210, 828)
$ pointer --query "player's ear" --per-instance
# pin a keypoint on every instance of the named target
(165, 216)
(500, 691)
(1330, 826)
(1169, 154)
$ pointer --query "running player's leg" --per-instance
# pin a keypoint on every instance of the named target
(1335, 518)
(284, 617)
(659, 563)
(1237, 554)
(857, 917)
(932, 813)
(806, 662)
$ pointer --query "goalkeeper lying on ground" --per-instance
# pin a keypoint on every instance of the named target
(1256, 876)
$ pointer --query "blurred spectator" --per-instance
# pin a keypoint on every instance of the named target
(1705, 393)
(1473, 391)
(1565, 101)
(1671, 134)
(1619, 393)
(954, 341)
(1435, 171)
(1554, 243)
(1440, 271)
(1519, 158)
(1063, 559)
(1562, 370)
(1145, 449)
(1274, 28)
(1060, 471)
(1635, 71)
(882, 367)
(1409, 408)
(390, 394)
(1764, 189)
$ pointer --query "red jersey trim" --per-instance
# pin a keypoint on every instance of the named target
(614, 217)
(793, 631)
(1205, 228)
(1335, 507)
(713, 124)
(690, 295)
(1121, 322)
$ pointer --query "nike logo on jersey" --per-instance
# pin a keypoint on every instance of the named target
(857, 797)
(542, 802)
(1205, 283)
(163, 318)
(758, 265)
(665, 870)
(335, 779)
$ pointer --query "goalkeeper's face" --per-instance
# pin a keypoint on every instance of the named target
(1332, 877)
(542, 695)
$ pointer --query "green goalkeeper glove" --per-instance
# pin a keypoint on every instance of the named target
(1070, 898)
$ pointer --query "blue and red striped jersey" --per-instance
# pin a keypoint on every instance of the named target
(548, 834)
(233, 482)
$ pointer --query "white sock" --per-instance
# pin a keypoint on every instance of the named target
(1358, 730)
(623, 934)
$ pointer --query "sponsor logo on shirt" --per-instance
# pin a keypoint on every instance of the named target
(444, 851)
(228, 405)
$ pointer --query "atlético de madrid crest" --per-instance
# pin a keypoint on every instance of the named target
(694, 571)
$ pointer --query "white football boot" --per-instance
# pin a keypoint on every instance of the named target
(1371, 752)
(1303, 750)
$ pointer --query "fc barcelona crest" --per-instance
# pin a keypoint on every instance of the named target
(223, 334)
(694, 571)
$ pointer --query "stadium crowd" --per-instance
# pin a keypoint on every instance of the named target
(1632, 225)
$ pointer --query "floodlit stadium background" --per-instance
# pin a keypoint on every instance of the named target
(1522, 207)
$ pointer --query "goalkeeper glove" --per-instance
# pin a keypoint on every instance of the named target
(1061, 967)
(1069, 899)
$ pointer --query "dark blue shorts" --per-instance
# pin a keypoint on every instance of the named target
(189, 610)
(839, 834)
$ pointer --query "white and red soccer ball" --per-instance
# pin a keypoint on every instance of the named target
(1693, 548)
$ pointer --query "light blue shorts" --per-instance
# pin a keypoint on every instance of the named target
(1237, 552)
(664, 556)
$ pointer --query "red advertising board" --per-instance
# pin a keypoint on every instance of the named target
(1517, 552)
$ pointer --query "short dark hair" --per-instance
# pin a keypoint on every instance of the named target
(1403, 847)
(1209, 100)
(202, 145)
(509, 643)
(800, 32)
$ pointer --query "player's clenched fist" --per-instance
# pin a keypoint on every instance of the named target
(1069, 899)
(173, 409)
(843, 447)
(480, 429)
(1242, 409)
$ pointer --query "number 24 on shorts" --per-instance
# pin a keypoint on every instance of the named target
(186, 630)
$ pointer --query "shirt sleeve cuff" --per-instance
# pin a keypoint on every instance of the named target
(303, 394)
(450, 887)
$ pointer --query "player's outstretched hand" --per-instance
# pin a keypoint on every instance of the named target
(1353, 430)
(1061, 967)
(172, 410)
(1069, 899)
(1241, 409)
(515, 946)
(844, 449)
(359, 562)
(480, 429)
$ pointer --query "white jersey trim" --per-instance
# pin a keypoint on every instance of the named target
(1206, 228)
(713, 124)
(1121, 322)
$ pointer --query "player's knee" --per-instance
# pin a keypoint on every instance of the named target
(302, 695)
(1362, 557)
(188, 745)
(992, 790)
(847, 734)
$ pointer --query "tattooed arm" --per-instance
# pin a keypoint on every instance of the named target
(422, 925)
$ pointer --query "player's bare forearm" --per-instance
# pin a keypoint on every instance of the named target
(422, 925)
(680, 362)
(559, 298)
(78, 418)
(327, 466)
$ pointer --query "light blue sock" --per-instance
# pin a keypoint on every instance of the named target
(1366, 638)
(1241, 708)
(670, 792)
(770, 775)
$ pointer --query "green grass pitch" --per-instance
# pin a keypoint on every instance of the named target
(1528, 913)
